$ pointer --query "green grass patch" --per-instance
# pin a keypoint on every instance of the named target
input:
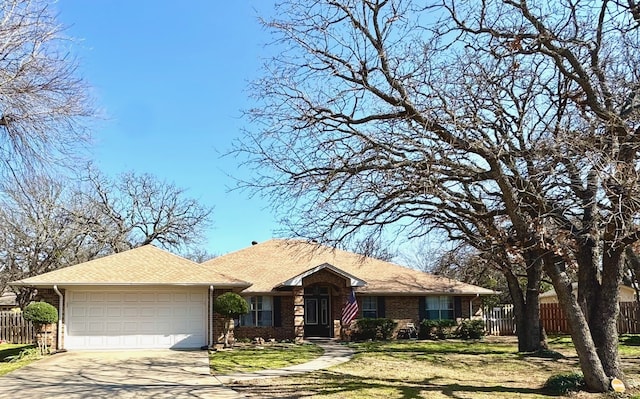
(434, 347)
(629, 344)
(251, 358)
(10, 350)
(15, 356)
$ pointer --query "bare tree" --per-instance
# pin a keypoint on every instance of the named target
(138, 209)
(44, 104)
(39, 231)
(47, 223)
(509, 127)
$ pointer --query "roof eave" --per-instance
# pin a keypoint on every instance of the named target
(128, 284)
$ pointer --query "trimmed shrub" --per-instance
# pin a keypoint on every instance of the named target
(40, 313)
(561, 384)
(230, 305)
(374, 329)
(437, 329)
(470, 329)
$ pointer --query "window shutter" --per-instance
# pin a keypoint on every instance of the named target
(381, 308)
(457, 307)
(422, 308)
(277, 311)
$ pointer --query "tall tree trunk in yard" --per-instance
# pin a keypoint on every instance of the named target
(603, 321)
(594, 374)
(526, 309)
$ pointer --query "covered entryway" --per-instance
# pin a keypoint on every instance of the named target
(136, 318)
(317, 312)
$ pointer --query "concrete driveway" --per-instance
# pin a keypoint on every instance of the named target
(117, 374)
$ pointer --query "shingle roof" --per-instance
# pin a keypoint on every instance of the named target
(146, 265)
(267, 265)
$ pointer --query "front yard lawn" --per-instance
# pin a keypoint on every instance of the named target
(491, 368)
(270, 356)
(9, 351)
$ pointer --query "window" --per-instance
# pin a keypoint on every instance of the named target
(260, 312)
(439, 307)
(370, 307)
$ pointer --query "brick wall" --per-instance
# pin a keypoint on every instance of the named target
(49, 295)
(403, 309)
(286, 331)
(325, 277)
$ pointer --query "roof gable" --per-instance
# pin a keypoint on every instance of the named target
(146, 265)
(296, 281)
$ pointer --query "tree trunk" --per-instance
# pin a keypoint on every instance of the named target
(595, 377)
(603, 321)
(227, 323)
(526, 309)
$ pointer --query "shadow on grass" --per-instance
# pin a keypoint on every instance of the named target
(349, 386)
(13, 351)
(437, 347)
(630, 340)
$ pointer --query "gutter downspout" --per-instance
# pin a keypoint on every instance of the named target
(60, 314)
(210, 340)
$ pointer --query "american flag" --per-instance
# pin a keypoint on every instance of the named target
(350, 309)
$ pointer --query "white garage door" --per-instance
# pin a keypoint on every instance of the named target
(128, 319)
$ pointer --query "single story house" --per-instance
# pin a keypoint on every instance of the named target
(8, 301)
(627, 294)
(150, 298)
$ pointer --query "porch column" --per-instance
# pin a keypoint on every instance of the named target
(298, 313)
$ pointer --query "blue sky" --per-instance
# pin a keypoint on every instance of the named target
(171, 80)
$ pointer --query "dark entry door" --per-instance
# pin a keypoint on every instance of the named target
(317, 313)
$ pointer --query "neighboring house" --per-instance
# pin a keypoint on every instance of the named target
(8, 301)
(627, 294)
(149, 298)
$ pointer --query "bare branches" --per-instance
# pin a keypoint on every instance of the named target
(44, 104)
(46, 224)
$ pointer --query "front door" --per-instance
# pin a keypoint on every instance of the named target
(317, 312)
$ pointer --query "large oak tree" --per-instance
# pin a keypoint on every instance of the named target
(509, 126)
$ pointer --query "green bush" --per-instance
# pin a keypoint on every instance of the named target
(561, 384)
(470, 329)
(230, 305)
(40, 313)
(374, 329)
(437, 329)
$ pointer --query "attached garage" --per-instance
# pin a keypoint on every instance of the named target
(128, 319)
(144, 298)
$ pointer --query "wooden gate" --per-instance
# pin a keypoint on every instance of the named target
(499, 320)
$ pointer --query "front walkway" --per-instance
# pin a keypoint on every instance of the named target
(334, 354)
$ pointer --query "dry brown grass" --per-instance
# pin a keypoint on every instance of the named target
(399, 370)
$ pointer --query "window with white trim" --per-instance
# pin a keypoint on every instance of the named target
(439, 307)
(370, 307)
(260, 312)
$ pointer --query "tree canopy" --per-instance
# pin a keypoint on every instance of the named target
(509, 126)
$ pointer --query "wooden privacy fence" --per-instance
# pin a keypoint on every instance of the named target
(555, 322)
(499, 320)
(14, 329)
